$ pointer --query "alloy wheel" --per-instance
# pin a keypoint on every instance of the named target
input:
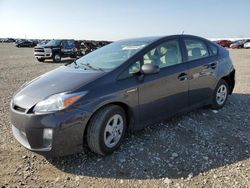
(113, 130)
(221, 94)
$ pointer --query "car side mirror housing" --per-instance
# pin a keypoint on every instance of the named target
(150, 69)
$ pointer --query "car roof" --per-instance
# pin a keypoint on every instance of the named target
(151, 39)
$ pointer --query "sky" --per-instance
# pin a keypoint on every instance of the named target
(119, 19)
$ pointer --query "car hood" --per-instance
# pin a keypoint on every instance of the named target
(62, 79)
(46, 46)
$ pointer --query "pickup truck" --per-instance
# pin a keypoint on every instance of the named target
(56, 49)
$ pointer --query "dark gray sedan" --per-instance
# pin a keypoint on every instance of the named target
(123, 86)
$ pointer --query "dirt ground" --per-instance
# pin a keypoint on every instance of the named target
(203, 148)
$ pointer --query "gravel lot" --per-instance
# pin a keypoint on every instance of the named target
(203, 148)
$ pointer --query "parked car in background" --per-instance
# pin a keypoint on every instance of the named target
(237, 44)
(10, 40)
(247, 44)
(56, 49)
(125, 85)
(7, 40)
(89, 46)
(25, 44)
(224, 43)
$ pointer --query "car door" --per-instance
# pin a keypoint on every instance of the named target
(201, 68)
(68, 48)
(165, 93)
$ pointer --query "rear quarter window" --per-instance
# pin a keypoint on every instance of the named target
(214, 49)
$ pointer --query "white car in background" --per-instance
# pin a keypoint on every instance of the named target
(247, 44)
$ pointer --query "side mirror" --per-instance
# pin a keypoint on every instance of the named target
(150, 69)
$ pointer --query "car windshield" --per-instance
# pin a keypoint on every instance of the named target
(110, 56)
(53, 43)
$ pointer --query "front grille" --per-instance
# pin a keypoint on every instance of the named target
(18, 108)
(39, 49)
(39, 54)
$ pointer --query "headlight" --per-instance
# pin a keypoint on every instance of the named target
(57, 102)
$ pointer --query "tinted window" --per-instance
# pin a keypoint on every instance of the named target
(69, 44)
(196, 49)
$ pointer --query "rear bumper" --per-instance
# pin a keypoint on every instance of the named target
(67, 126)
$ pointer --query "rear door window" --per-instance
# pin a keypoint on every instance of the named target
(196, 49)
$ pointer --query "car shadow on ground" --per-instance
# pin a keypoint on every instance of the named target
(182, 146)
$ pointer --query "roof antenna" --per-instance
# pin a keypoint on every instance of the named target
(182, 32)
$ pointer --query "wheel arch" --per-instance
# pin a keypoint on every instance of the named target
(230, 79)
(130, 117)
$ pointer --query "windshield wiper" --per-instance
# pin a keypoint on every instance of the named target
(76, 66)
(91, 67)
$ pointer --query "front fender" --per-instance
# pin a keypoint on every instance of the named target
(127, 100)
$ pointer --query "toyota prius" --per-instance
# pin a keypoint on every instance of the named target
(121, 87)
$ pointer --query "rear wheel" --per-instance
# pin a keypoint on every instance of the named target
(220, 95)
(57, 58)
(106, 129)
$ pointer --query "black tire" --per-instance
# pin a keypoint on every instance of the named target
(74, 56)
(215, 104)
(57, 58)
(40, 59)
(96, 129)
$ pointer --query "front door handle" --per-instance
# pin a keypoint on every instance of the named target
(131, 90)
(182, 76)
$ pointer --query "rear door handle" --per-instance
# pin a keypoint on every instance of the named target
(213, 65)
(182, 76)
(210, 65)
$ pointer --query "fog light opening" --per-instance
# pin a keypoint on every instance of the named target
(47, 137)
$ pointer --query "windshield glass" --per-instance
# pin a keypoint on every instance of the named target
(53, 43)
(110, 56)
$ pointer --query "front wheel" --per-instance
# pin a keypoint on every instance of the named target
(106, 129)
(57, 58)
(220, 95)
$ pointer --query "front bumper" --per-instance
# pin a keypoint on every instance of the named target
(68, 130)
(42, 55)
